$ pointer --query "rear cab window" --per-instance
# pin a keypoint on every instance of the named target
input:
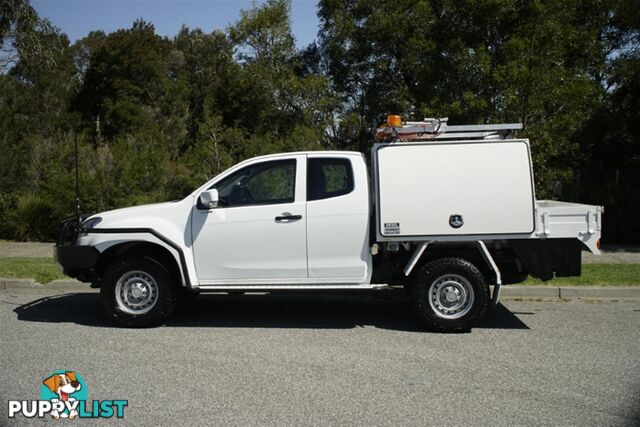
(328, 177)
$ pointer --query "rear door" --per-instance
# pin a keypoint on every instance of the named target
(337, 217)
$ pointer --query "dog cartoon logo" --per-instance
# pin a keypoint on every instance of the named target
(64, 385)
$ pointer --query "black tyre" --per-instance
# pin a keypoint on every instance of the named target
(451, 294)
(138, 293)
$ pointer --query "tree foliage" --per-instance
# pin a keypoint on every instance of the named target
(155, 117)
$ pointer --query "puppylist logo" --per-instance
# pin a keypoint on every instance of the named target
(64, 394)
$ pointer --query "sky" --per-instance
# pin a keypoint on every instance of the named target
(77, 18)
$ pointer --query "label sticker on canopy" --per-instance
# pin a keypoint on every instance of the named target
(391, 228)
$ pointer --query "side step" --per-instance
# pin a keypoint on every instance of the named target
(271, 288)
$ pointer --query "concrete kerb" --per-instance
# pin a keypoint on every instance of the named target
(600, 292)
(19, 284)
(30, 285)
(570, 292)
(507, 292)
(530, 292)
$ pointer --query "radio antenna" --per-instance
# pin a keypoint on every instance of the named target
(77, 179)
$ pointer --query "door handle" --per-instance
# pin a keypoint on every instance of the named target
(288, 217)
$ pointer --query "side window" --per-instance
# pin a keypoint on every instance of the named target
(266, 183)
(328, 177)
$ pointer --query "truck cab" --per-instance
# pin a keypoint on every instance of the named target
(299, 218)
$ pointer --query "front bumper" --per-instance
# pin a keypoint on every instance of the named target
(77, 261)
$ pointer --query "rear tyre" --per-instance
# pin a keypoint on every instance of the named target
(450, 294)
(138, 293)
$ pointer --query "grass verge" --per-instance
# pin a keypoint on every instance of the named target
(596, 275)
(43, 270)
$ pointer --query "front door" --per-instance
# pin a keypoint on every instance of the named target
(257, 234)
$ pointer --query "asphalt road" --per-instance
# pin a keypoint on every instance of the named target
(331, 360)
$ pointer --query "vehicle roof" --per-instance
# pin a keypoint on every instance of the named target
(315, 152)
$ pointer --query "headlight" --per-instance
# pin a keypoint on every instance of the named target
(91, 223)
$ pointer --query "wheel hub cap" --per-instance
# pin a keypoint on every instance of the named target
(451, 296)
(136, 292)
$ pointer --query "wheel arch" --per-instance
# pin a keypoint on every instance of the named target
(470, 251)
(138, 248)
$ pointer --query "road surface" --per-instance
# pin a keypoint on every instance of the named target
(267, 360)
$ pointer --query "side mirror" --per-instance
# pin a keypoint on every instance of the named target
(209, 199)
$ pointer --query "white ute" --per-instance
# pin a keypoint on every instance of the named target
(447, 213)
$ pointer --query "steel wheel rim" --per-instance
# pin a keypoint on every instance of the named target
(136, 292)
(451, 296)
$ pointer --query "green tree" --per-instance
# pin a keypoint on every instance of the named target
(204, 62)
(284, 98)
(126, 81)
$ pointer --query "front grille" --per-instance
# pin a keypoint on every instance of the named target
(69, 228)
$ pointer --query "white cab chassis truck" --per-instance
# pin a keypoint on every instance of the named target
(448, 214)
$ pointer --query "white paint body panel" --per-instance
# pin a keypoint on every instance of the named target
(246, 243)
(338, 229)
(171, 219)
(555, 220)
(488, 183)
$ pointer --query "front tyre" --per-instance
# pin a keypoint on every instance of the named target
(138, 293)
(451, 294)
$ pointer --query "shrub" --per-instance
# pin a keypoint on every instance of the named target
(33, 218)
(7, 202)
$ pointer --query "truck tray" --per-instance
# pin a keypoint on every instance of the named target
(556, 219)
